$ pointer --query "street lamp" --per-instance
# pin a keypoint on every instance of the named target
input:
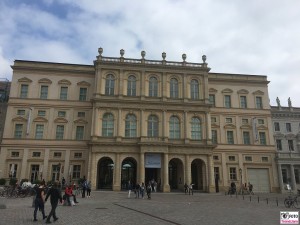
(241, 174)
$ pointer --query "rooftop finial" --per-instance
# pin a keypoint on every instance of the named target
(143, 54)
(164, 55)
(204, 58)
(184, 57)
(122, 52)
(100, 51)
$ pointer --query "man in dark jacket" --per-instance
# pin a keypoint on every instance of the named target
(55, 194)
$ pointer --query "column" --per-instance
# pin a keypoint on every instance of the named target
(119, 123)
(117, 174)
(142, 84)
(211, 183)
(224, 172)
(96, 130)
(185, 88)
(164, 86)
(121, 80)
(66, 165)
(164, 127)
(98, 81)
(142, 129)
(24, 165)
(293, 180)
(280, 178)
(142, 167)
(208, 126)
(46, 167)
(187, 169)
(185, 125)
(166, 186)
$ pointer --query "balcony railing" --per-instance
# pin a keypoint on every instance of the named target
(288, 155)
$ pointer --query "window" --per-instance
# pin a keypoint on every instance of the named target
(227, 101)
(230, 139)
(288, 127)
(57, 154)
(276, 126)
(79, 132)
(44, 92)
(262, 138)
(13, 170)
(217, 173)
(259, 104)
(174, 88)
(152, 126)
(60, 132)
(61, 114)
(297, 174)
(245, 121)
(76, 171)
(131, 86)
(246, 137)
(216, 157)
(110, 85)
(36, 154)
(174, 128)
(81, 114)
(24, 91)
(265, 159)
(194, 89)
(279, 144)
(291, 145)
(15, 154)
(232, 173)
(248, 158)
(196, 129)
(21, 112)
(214, 119)
(34, 174)
(55, 172)
(18, 131)
(284, 175)
(41, 113)
(212, 100)
(214, 138)
(228, 120)
(63, 93)
(153, 87)
(77, 155)
(130, 125)
(108, 125)
(243, 102)
(82, 94)
(231, 158)
(261, 121)
(39, 131)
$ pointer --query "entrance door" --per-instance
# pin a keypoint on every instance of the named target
(105, 173)
(128, 172)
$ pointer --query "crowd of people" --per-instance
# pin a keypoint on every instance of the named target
(141, 189)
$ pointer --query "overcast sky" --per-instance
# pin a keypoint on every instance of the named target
(259, 37)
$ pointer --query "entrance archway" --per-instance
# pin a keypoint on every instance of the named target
(198, 175)
(128, 173)
(105, 173)
(176, 174)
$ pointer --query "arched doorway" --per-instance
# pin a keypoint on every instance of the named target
(198, 175)
(105, 173)
(128, 172)
(176, 174)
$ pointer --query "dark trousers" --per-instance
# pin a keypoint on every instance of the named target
(83, 192)
(39, 204)
(52, 212)
(88, 192)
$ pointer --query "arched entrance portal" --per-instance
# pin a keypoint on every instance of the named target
(176, 174)
(128, 172)
(198, 175)
(105, 173)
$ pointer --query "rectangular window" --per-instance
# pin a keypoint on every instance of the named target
(83, 94)
(15, 154)
(291, 145)
(60, 132)
(61, 113)
(245, 121)
(81, 114)
(264, 159)
(36, 154)
(41, 113)
(77, 155)
(297, 174)
(259, 104)
(214, 137)
(212, 100)
(227, 101)
(276, 126)
(246, 137)
(214, 119)
(217, 173)
(288, 127)
(79, 132)
(231, 158)
(63, 93)
(243, 100)
(57, 154)
(232, 173)
(284, 176)
(216, 157)
(228, 120)
(279, 144)
(39, 131)
(260, 121)
(262, 138)
(76, 171)
(18, 131)
(248, 158)
(230, 139)
(13, 170)
(24, 91)
(44, 92)
(21, 112)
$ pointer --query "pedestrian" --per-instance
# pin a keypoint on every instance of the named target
(88, 189)
(250, 187)
(84, 186)
(63, 182)
(148, 190)
(55, 195)
(142, 190)
(137, 190)
(186, 188)
(191, 189)
(129, 188)
(39, 201)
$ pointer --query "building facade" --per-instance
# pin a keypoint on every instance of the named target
(286, 125)
(135, 119)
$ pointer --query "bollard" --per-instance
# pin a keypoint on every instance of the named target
(250, 198)
(277, 202)
(258, 199)
(243, 197)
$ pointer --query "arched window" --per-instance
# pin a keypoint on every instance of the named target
(194, 89)
(174, 128)
(152, 126)
(153, 87)
(131, 86)
(130, 125)
(108, 125)
(196, 129)
(110, 85)
(174, 88)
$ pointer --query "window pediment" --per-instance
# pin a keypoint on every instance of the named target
(25, 80)
(246, 126)
(82, 121)
(65, 82)
(243, 91)
(60, 120)
(258, 92)
(227, 90)
(19, 119)
(229, 126)
(290, 136)
(215, 125)
(278, 135)
(40, 119)
(45, 81)
(262, 127)
(84, 83)
(212, 90)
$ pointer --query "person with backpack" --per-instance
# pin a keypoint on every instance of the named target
(148, 190)
(39, 201)
(55, 194)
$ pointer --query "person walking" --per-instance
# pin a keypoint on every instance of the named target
(250, 187)
(88, 189)
(55, 194)
(142, 189)
(137, 190)
(39, 201)
(148, 190)
(129, 188)
(84, 186)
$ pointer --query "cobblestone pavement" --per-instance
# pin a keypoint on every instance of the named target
(114, 208)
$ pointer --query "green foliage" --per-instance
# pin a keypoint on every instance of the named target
(13, 181)
(2, 181)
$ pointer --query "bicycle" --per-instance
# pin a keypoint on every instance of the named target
(292, 200)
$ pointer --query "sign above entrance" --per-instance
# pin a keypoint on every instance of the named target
(153, 161)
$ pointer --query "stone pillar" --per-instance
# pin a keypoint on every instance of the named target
(186, 125)
(293, 180)
(224, 171)
(121, 81)
(142, 168)
(185, 88)
(165, 125)
(142, 121)
(66, 165)
(187, 169)
(96, 129)
(98, 81)
(280, 178)
(142, 85)
(23, 165)
(211, 180)
(166, 186)
(117, 174)
(119, 125)
(46, 168)
(208, 126)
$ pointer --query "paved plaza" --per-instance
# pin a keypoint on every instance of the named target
(114, 208)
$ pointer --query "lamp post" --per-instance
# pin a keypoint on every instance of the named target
(241, 176)
(57, 176)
